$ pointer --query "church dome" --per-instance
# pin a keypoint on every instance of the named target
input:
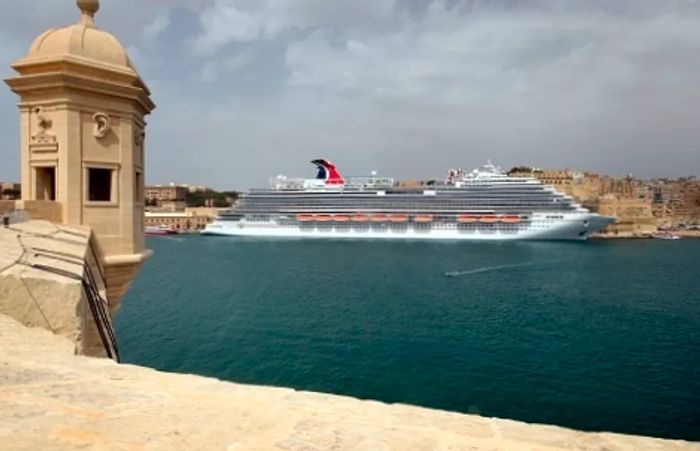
(82, 40)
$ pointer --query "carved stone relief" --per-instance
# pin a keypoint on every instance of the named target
(102, 125)
(43, 136)
(139, 138)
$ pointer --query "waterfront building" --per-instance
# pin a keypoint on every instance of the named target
(187, 220)
(635, 217)
(159, 194)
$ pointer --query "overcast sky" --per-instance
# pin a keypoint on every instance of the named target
(251, 89)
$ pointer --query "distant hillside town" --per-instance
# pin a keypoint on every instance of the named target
(184, 208)
(640, 206)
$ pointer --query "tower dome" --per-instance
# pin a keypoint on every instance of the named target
(82, 41)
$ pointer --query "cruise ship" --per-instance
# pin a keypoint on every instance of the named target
(484, 204)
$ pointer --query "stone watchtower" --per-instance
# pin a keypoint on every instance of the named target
(82, 113)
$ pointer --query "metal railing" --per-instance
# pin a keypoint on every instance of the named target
(100, 313)
(99, 307)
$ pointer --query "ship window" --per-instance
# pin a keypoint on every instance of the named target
(99, 185)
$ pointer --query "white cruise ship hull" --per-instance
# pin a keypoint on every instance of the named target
(574, 226)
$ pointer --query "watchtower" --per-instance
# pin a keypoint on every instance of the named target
(82, 108)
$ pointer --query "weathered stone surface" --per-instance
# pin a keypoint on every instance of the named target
(53, 400)
(41, 267)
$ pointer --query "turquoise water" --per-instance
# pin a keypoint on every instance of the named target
(595, 336)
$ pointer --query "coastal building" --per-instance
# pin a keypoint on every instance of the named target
(159, 194)
(635, 217)
(82, 122)
(187, 220)
(629, 200)
(196, 188)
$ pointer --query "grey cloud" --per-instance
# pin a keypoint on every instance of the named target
(408, 88)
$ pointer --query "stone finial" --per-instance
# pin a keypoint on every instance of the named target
(88, 9)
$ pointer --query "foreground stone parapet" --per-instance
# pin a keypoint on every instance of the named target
(42, 272)
(51, 399)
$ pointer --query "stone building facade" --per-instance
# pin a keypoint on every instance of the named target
(173, 193)
(187, 220)
(627, 199)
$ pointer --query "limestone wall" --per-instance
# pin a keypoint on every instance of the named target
(41, 271)
(38, 209)
(50, 399)
(634, 217)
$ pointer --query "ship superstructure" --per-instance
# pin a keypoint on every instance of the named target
(484, 204)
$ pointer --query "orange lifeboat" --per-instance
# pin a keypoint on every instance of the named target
(511, 219)
(323, 218)
(489, 219)
(467, 219)
(359, 218)
(398, 218)
(305, 218)
(341, 218)
(423, 218)
(378, 218)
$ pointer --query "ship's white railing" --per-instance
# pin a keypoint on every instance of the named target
(283, 183)
(369, 181)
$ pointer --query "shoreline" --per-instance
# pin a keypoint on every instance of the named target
(685, 234)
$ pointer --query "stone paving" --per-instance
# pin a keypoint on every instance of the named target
(51, 399)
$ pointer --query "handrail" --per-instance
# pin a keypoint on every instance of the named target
(98, 307)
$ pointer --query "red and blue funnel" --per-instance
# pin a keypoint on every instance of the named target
(328, 172)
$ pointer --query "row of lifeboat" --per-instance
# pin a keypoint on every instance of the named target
(488, 219)
(357, 218)
(399, 218)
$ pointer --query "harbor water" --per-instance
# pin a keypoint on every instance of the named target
(602, 335)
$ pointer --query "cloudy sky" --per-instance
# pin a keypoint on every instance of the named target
(247, 89)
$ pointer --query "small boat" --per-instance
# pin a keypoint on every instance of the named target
(305, 218)
(378, 218)
(341, 218)
(467, 219)
(423, 218)
(511, 219)
(398, 218)
(489, 219)
(665, 236)
(359, 218)
(323, 218)
(159, 230)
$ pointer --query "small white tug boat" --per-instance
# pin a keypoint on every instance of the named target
(664, 235)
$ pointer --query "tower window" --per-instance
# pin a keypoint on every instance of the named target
(138, 186)
(99, 185)
(45, 188)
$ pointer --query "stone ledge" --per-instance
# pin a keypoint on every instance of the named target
(51, 399)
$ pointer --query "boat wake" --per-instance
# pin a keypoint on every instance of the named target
(487, 269)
